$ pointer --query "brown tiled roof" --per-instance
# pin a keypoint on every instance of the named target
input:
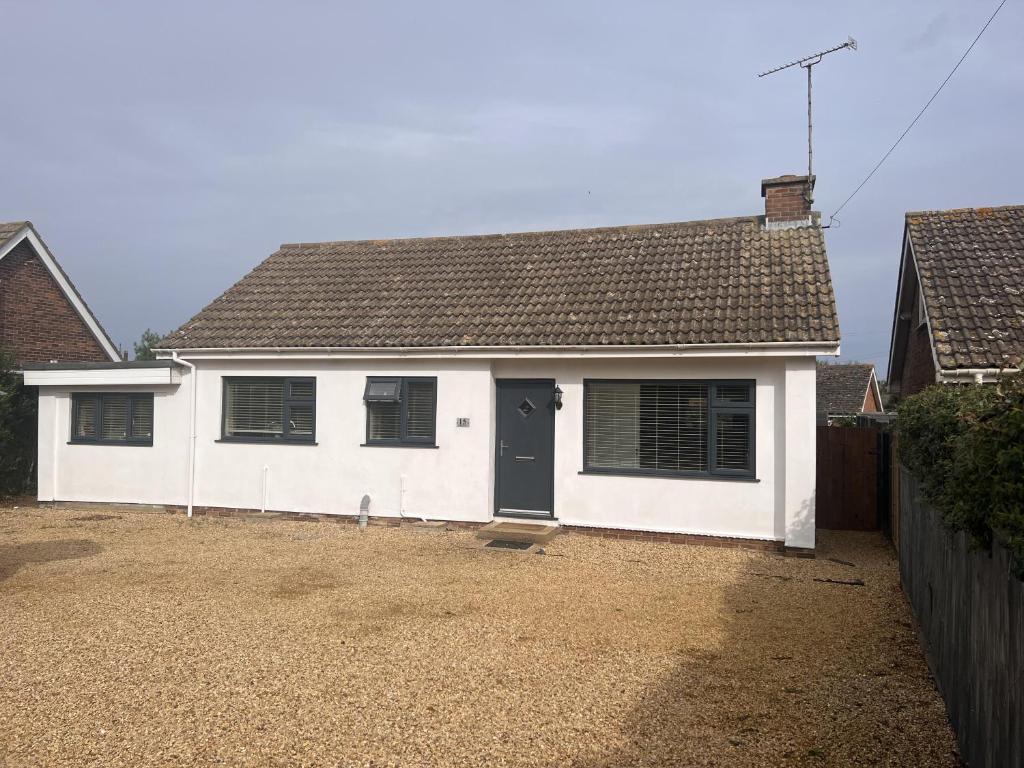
(724, 280)
(971, 264)
(841, 388)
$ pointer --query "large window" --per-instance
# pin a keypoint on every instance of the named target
(112, 418)
(401, 411)
(264, 409)
(669, 427)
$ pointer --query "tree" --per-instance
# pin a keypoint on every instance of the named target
(17, 430)
(144, 346)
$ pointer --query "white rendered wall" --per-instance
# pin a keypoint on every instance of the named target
(451, 482)
(800, 452)
(719, 507)
(114, 473)
(454, 481)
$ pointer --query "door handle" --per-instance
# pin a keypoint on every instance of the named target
(502, 445)
(524, 458)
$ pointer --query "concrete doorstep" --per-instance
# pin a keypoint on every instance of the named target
(533, 533)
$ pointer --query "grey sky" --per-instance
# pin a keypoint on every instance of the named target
(164, 149)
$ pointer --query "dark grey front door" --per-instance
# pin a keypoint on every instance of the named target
(525, 447)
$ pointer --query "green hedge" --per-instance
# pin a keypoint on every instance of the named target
(965, 445)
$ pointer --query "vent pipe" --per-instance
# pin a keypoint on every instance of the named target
(364, 511)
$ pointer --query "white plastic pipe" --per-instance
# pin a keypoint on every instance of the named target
(401, 500)
(191, 428)
(263, 504)
(978, 375)
(56, 442)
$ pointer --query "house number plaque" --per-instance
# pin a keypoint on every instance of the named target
(462, 421)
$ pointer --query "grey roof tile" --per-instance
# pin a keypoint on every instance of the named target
(9, 229)
(971, 265)
(841, 388)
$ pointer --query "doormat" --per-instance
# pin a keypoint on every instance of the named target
(502, 544)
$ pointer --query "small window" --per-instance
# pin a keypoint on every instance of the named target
(669, 427)
(262, 410)
(112, 418)
(401, 411)
(383, 390)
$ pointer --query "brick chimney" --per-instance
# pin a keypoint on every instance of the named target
(787, 201)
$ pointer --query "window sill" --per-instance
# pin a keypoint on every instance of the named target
(114, 443)
(397, 445)
(671, 476)
(258, 441)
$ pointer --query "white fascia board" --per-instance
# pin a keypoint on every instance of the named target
(899, 299)
(70, 377)
(774, 349)
(51, 265)
(924, 304)
(878, 390)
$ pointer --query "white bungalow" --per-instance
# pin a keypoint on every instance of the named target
(651, 378)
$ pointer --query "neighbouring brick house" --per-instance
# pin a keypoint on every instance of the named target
(847, 390)
(959, 313)
(43, 318)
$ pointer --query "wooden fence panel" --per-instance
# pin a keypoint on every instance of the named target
(970, 608)
(895, 483)
(847, 478)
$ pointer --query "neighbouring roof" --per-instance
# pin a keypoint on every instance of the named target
(841, 389)
(971, 266)
(9, 229)
(700, 282)
(18, 231)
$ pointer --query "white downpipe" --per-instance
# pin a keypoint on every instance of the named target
(266, 472)
(191, 428)
(56, 441)
(401, 500)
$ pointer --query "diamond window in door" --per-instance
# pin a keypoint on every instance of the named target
(526, 408)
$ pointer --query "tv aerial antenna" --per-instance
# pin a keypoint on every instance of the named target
(807, 63)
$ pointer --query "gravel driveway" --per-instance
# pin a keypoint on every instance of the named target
(148, 639)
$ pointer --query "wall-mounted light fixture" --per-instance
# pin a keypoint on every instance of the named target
(558, 398)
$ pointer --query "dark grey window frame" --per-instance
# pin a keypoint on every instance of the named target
(287, 401)
(99, 397)
(715, 407)
(403, 440)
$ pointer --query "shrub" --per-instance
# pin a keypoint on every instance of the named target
(17, 431)
(843, 421)
(965, 445)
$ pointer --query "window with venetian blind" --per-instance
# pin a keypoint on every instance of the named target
(112, 418)
(269, 409)
(665, 427)
(401, 410)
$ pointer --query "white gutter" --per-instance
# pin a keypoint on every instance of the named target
(191, 427)
(827, 347)
(979, 375)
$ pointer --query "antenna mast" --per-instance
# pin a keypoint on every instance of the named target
(807, 62)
